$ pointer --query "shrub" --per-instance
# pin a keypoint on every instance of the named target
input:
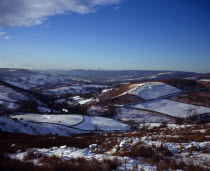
(163, 125)
(32, 155)
(7, 163)
(205, 150)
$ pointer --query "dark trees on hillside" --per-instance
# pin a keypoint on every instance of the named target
(28, 106)
(72, 109)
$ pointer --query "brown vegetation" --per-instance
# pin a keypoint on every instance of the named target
(201, 98)
(79, 164)
(53, 163)
(159, 156)
(183, 84)
(23, 142)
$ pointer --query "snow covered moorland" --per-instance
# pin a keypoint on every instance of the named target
(144, 141)
(172, 148)
(65, 153)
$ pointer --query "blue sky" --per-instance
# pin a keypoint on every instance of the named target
(113, 34)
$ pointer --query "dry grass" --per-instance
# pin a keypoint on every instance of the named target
(184, 84)
(23, 142)
(7, 163)
(152, 154)
(160, 156)
(172, 164)
(79, 164)
(201, 98)
(32, 155)
(53, 163)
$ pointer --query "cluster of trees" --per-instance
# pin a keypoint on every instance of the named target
(28, 106)
(73, 109)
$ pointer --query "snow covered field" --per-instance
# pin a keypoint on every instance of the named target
(153, 90)
(137, 116)
(20, 126)
(56, 119)
(89, 123)
(100, 123)
(173, 108)
(63, 125)
(150, 90)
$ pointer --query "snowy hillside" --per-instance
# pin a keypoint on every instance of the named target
(13, 98)
(173, 108)
(62, 125)
(20, 126)
(37, 79)
(150, 90)
(10, 95)
(80, 89)
(154, 104)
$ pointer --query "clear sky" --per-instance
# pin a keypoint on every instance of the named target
(106, 34)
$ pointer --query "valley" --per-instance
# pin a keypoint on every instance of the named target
(129, 125)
